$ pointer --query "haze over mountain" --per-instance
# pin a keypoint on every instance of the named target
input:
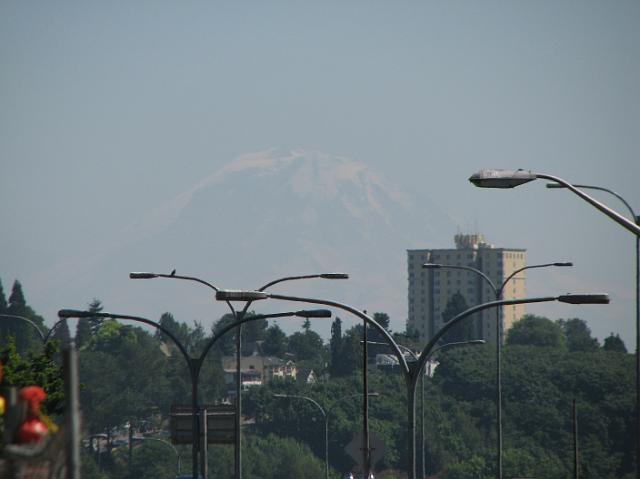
(263, 216)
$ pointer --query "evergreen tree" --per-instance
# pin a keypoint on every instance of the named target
(463, 331)
(62, 332)
(335, 347)
(614, 343)
(87, 327)
(17, 303)
(23, 333)
(306, 326)
(3, 300)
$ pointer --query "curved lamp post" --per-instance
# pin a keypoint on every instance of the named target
(42, 335)
(636, 218)
(194, 363)
(414, 356)
(325, 415)
(237, 315)
(497, 291)
(513, 178)
(411, 373)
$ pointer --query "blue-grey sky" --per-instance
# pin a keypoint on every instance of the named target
(110, 108)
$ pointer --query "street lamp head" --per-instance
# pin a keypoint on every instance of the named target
(432, 266)
(599, 298)
(280, 395)
(554, 185)
(568, 263)
(74, 313)
(335, 276)
(477, 341)
(314, 313)
(240, 295)
(142, 275)
(501, 178)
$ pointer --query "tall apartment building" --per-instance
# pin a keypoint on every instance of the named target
(431, 289)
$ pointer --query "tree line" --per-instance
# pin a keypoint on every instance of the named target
(132, 376)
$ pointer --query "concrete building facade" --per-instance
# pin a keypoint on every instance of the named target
(431, 289)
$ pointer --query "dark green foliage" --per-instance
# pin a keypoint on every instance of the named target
(534, 330)
(578, 335)
(614, 344)
(24, 335)
(36, 368)
(349, 360)
(88, 326)
(62, 333)
(463, 331)
(308, 349)
(335, 347)
(3, 300)
(275, 342)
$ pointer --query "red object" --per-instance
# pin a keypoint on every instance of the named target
(32, 429)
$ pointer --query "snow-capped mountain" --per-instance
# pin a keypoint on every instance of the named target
(271, 214)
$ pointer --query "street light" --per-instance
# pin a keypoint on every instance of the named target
(513, 178)
(236, 315)
(43, 337)
(194, 364)
(412, 373)
(325, 414)
(414, 356)
(497, 291)
(510, 179)
(636, 218)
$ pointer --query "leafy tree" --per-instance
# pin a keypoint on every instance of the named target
(463, 331)
(306, 345)
(382, 319)
(275, 341)
(252, 331)
(536, 331)
(179, 330)
(578, 335)
(614, 343)
(42, 369)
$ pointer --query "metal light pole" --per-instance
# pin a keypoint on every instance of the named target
(511, 179)
(237, 315)
(325, 415)
(412, 373)
(194, 363)
(414, 356)
(42, 335)
(636, 218)
(497, 291)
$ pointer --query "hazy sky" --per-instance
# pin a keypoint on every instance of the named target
(110, 108)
